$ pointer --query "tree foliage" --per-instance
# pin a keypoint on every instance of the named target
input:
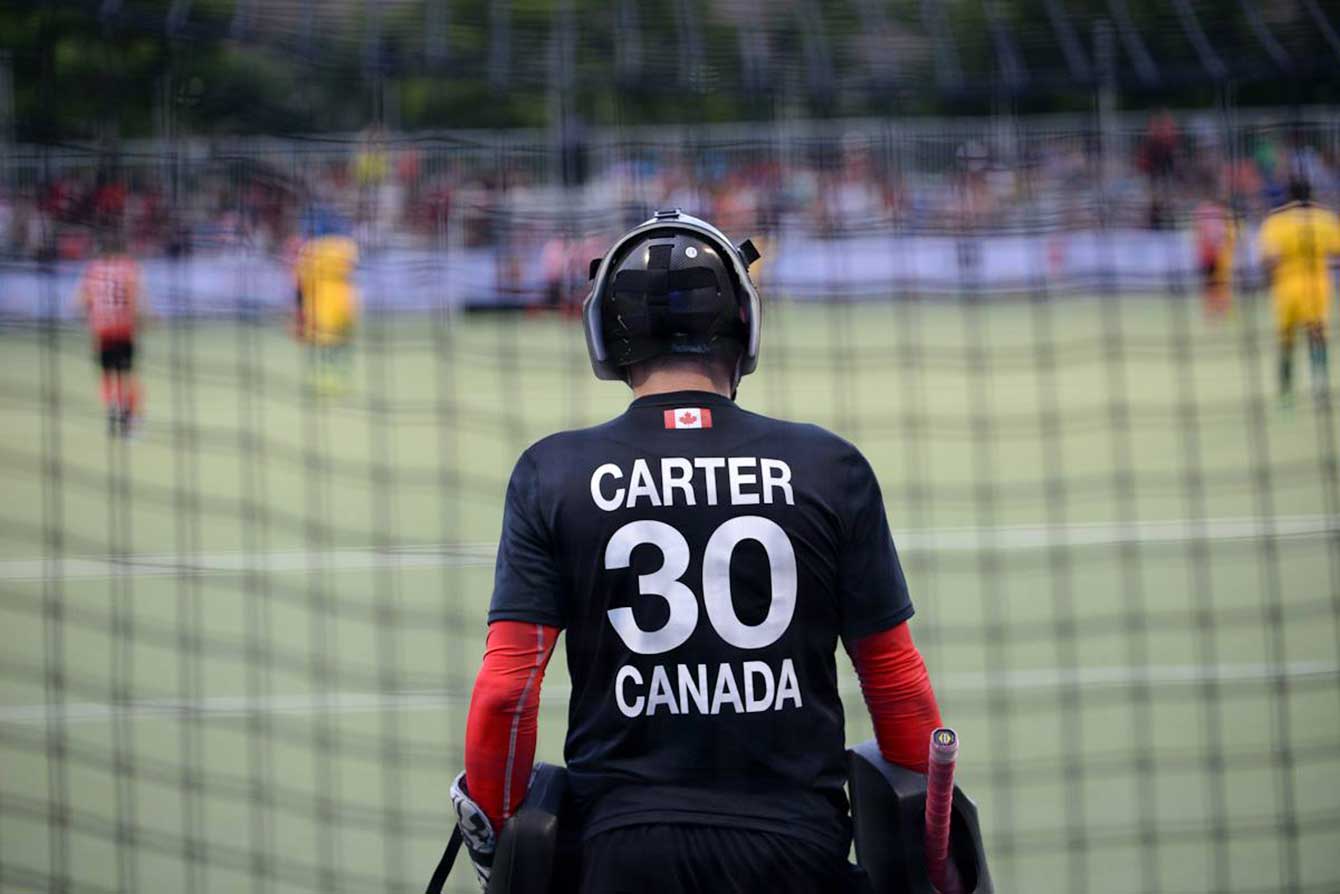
(88, 69)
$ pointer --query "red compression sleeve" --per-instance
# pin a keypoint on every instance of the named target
(898, 693)
(504, 711)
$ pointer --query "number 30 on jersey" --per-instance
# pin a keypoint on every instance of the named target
(665, 582)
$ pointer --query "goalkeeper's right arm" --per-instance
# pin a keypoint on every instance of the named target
(503, 722)
(898, 693)
(500, 736)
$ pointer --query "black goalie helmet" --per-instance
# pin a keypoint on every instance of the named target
(672, 285)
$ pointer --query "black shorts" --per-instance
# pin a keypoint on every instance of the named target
(664, 857)
(1209, 270)
(116, 355)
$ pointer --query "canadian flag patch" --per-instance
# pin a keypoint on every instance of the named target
(688, 417)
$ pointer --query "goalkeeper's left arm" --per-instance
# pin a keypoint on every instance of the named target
(898, 693)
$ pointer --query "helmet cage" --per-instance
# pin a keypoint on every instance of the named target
(739, 258)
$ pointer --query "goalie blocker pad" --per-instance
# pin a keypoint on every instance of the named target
(888, 806)
(524, 860)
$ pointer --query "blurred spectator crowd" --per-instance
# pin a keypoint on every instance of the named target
(961, 177)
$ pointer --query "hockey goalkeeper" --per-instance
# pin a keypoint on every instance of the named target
(705, 561)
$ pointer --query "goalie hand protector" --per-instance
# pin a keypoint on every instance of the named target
(476, 830)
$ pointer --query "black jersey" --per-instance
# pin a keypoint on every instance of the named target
(704, 561)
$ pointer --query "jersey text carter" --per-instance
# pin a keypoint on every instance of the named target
(703, 480)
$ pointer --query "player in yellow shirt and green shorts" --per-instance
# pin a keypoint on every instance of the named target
(330, 308)
(1297, 240)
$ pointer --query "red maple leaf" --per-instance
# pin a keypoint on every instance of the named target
(688, 419)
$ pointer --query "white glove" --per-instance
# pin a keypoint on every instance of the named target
(476, 830)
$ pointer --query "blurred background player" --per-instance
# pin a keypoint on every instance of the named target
(329, 299)
(1297, 241)
(109, 295)
(290, 254)
(1216, 236)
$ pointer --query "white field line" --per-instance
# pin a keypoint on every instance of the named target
(1047, 678)
(1006, 538)
(274, 562)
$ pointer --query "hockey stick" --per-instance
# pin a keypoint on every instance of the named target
(940, 810)
(444, 865)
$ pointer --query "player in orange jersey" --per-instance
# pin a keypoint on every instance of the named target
(109, 294)
(290, 255)
(1215, 236)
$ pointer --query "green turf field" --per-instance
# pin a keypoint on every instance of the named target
(263, 616)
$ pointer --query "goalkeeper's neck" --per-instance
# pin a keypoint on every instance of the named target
(664, 374)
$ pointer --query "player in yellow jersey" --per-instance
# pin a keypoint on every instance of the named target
(1297, 241)
(325, 271)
